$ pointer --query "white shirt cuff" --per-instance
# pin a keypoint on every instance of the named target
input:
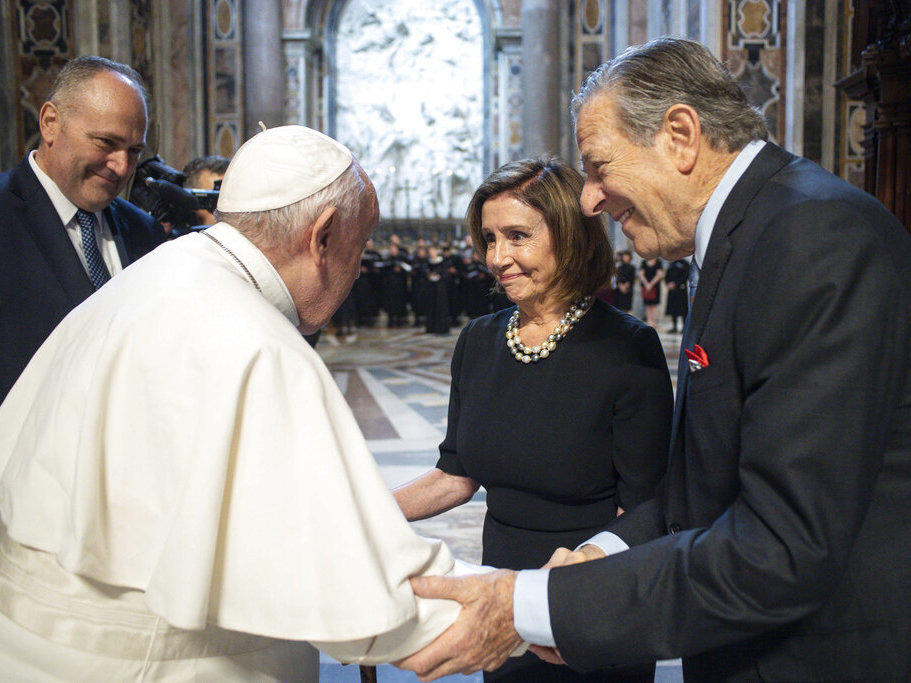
(530, 609)
(609, 543)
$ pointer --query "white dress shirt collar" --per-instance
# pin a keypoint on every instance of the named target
(270, 282)
(709, 215)
(65, 208)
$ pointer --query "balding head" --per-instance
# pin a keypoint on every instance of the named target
(73, 77)
(92, 131)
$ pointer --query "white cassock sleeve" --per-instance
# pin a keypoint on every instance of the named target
(312, 545)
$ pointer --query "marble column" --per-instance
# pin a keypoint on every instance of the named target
(264, 66)
(85, 27)
(121, 31)
(542, 115)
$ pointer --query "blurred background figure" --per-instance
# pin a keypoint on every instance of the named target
(675, 283)
(395, 284)
(624, 278)
(438, 285)
(202, 174)
(650, 275)
(420, 290)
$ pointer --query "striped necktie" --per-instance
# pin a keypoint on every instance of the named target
(98, 272)
(692, 280)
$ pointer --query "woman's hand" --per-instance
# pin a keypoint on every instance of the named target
(563, 557)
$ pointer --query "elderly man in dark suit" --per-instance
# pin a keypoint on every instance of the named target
(777, 547)
(63, 231)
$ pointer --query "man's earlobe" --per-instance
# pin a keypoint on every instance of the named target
(323, 228)
(684, 135)
(49, 121)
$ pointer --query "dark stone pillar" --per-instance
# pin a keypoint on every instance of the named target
(9, 138)
(542, 114)
(264, 66)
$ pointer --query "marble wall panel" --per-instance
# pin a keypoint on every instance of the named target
(41, 32)
(753, 50)
(637, 28)
(851, 116)
(141, 45)
(225, 76)
(510, 98)
(295, 63)
(178, 107)
(589, 39)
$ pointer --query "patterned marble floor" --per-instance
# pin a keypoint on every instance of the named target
(397, 384)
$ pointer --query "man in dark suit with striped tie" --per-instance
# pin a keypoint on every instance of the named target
(63, 231)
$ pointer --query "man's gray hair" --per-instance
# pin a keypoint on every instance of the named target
(644, 81)
(276, 229)
(77, 71)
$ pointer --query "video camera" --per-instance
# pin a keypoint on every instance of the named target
(158, 189)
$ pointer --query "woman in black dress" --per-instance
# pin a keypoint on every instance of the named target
(560, 406)
(650, 274)
(675, 282)
(395, 286)
(626, 274)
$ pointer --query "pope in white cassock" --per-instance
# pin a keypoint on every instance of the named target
(184, 492)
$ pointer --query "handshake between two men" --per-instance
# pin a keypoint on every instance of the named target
(484, 634)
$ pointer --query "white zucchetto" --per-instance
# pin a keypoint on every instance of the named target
(281, 166)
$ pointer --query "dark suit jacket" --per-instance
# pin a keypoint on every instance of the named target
(41, 277)
(779, 544)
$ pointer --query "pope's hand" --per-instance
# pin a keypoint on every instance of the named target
(482, 637)
(564, 556)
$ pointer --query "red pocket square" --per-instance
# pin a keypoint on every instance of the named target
(697, 358)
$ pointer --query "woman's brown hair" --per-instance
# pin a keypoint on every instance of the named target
(550, 186)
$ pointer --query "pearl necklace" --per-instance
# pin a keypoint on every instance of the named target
(525, 354)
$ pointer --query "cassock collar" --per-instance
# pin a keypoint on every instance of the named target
(710, 213)
(270, 282)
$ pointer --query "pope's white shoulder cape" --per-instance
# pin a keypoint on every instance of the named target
(175, 434)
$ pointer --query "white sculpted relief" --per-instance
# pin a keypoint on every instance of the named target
(410, 101)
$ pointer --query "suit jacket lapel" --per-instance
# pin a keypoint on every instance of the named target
(117, 232)
(767, 162)
(43, 222)
(716, 258)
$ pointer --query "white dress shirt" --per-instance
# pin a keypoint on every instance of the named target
(531, 612)
(67, 212)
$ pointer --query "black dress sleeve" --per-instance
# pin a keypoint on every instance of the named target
(642, 422)
(449, 458)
